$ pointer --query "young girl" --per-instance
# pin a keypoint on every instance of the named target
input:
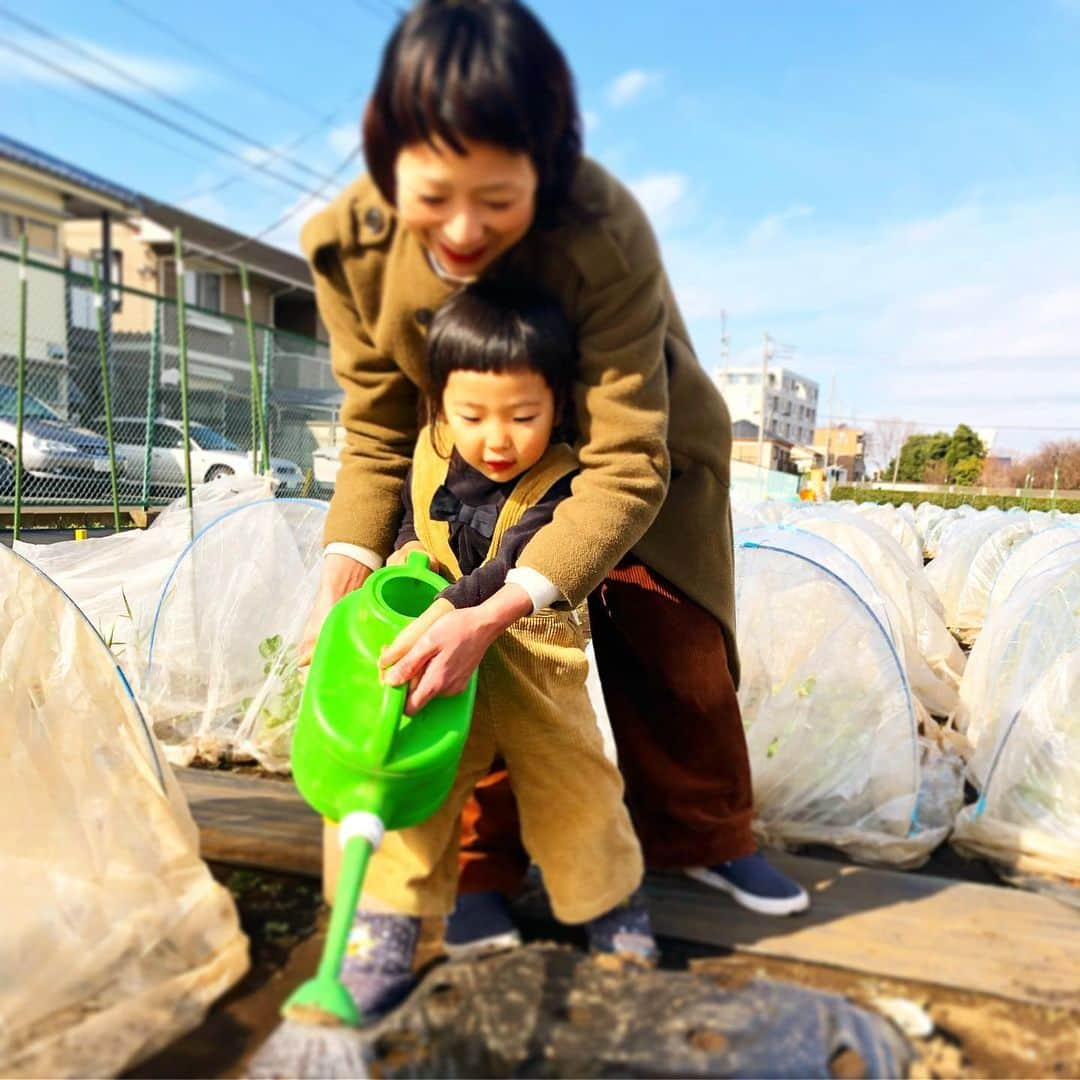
(487, 474)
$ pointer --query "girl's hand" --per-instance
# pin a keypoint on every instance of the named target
(402, 553)
(442, 658)
(412, 634)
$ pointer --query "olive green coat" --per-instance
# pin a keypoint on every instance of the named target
(655, 446)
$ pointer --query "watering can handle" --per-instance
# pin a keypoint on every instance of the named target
(383, 733)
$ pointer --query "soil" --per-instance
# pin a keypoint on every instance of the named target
(974, 1035)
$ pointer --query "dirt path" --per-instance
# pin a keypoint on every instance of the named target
(974, 1035)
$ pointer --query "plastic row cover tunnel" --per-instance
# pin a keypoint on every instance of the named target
(831, 724)
(933, 660)
(116, 580)
(1020, 708)
(222, 680)
(114, 938)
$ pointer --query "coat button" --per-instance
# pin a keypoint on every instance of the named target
(423, 316)
(373, 219)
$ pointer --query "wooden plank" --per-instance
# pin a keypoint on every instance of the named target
(988, 939)
(983, 938)
(251, 821)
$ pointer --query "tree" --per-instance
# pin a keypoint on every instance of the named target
(917, 453)
(887, 437)
(964, 446)
(941, 458)
(1062, 455)
(967, 471)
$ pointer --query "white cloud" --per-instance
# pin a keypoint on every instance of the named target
(769, 228)
(631, 85)
(344, 140)
(287, 234)
(206, 206)
(663, 195)
(155, 71)
(969, 315)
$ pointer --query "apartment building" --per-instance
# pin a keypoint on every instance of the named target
(843, 446)
(39, 196)
(791, 401)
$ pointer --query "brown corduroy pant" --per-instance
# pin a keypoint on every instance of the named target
(671, 700)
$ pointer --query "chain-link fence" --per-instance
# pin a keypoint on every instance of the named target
(288, 389)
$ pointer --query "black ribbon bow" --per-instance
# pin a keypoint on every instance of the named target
(446, 506)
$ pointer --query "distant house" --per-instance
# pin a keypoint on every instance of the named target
(39, 196)
(843, 446)
(772, 453)
(282, 293)
(75, 220)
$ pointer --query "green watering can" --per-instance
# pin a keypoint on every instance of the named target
(360, 761)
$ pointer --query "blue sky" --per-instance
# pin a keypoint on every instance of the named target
(891, 188)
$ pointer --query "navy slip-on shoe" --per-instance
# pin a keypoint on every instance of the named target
(480, 923)
(755, 885)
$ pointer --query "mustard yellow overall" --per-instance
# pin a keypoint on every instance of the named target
(533, 711)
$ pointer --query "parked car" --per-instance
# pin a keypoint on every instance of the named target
(212, 454)
(325, 463)
(54, 452)
(7, 478)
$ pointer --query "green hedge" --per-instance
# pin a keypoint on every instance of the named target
(951, 499)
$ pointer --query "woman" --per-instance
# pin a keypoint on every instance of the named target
(472, 139)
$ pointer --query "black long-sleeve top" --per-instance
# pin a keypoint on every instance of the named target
(466, 490)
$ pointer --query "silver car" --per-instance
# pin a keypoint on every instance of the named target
(52, 449)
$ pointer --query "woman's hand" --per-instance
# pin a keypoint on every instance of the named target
(403, 552)
(340, 576)
(442, 658)
(413, 632)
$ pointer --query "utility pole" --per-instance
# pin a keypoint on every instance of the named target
(828, 437)
(765, 351)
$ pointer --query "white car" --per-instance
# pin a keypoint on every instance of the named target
(325, 463)
(212, 455)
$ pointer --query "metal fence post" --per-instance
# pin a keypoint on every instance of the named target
(253, 360)
(153, 378)
(20, 384)
(268, 362)
(178, 247)
(103, 353)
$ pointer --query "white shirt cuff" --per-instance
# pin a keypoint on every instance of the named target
(355, 551)
(541, 591)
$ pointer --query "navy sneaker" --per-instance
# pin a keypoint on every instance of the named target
(378, 964)
(480, 923)
(625, 931)
(755, 885)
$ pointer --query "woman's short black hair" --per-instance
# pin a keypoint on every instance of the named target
(485, 70)
(501, 326)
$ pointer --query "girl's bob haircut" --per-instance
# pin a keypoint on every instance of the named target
(500, 326)
(484, 70)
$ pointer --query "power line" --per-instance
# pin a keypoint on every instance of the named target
(143, 110)
(393, 10)
(290, 146)
(220, 60)
(175, 102)
(856, 420)
(290, 213)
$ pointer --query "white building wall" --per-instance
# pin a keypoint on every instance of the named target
(791, 401)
